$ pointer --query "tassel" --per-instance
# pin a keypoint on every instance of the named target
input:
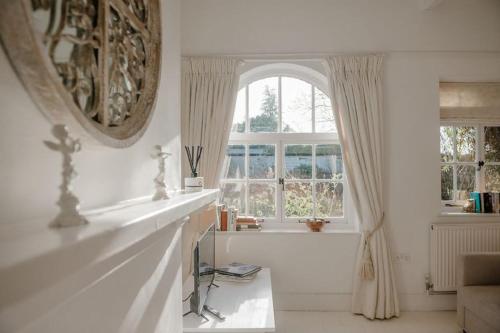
(367, 272)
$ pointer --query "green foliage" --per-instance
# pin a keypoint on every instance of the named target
(268, 120)
(465, 138)
(328, 199)
(446, 182)
(298, 200)
(302, 171)
(492, 152)
(240, 127)
(262, 205)
(492, 144)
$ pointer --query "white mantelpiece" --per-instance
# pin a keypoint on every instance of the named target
(45, 267)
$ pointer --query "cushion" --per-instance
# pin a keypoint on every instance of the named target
(484, 301)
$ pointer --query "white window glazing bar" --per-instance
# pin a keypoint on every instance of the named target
(247, 109)
(280, 104)
(279, 174)
(313, 109)
(247, 177)
(313, 178)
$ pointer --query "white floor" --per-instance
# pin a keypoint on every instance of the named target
(343, 322)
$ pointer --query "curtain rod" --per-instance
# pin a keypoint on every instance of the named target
(259, 57)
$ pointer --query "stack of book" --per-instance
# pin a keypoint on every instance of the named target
(247, 223)
(237, 272)
(228, 218)
(486, 202)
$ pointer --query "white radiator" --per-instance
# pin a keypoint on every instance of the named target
(450, 240)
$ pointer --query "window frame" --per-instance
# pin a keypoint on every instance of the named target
(280, 139)
(480, 179)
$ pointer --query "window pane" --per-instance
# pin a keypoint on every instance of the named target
(233, 195)
(329, 199)
(492, 144)
(325, 122)
(234, 163)
(262, 200)
(466, 144)
(446, 182)
(296, 105)
(446, 144)
(466, 179)
(492, 177)
(298, 161)
(263, 105)
(239, 112)
(328, 162)
(261, 161)
(298, 200)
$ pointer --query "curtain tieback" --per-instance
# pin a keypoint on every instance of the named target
(367, 271)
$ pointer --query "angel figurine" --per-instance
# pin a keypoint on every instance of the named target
(159, 181)
(68, 203)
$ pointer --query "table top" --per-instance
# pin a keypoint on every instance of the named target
(247, 306)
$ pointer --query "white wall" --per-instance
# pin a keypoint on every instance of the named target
(421, 47)
(309, 271)
(137, 290)
(30, 173)
(310, 26)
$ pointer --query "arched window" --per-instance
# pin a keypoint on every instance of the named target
(283, 161)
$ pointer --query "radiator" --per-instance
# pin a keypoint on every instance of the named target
(450, 240)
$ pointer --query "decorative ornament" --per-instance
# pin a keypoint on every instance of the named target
(68, 203)
(92, 65)
(161, 187)
(193, 183)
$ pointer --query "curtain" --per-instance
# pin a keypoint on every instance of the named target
(355, 86)
(209, 88)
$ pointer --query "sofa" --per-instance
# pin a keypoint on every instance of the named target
(478, 292)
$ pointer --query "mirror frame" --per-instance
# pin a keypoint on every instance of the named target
(27, 52)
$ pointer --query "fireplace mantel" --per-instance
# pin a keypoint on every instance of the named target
(34, 257)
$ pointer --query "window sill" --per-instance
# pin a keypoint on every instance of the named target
(290, 232)
(462, 214)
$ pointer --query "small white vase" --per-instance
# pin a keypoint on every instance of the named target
(193, 184)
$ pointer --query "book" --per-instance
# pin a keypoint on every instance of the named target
(477, 201)
(488, 204)
(223, 220)
(246, 220)
(229, 278)
(481, 200)
(232, 213)
(246, 223)
(238, 269)
(248, 227)
(495, 198)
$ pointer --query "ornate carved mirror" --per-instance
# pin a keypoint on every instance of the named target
(93, 65)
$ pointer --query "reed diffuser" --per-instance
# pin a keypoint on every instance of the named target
(193, 183)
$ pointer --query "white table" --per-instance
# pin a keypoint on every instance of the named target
(247, 306)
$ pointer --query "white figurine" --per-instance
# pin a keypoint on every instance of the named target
(68, 202)
(161, 187)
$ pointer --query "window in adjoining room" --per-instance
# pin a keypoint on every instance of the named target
(283, 161)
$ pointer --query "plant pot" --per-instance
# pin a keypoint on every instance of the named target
(193, 184)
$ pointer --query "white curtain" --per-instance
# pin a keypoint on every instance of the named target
(209, 88)
(355, 85)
